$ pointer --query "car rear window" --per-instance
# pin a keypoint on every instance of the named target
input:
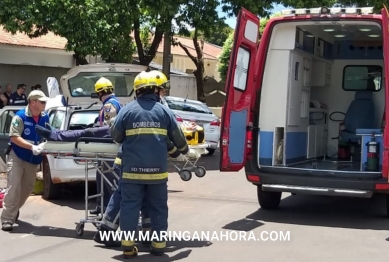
(83, 119)
(188, 106)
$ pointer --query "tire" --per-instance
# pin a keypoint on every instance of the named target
(267, 199)
(387, 204)
(51, 191)
(211, 151)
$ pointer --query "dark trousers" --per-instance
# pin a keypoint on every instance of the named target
(132, 198)
(111, 219)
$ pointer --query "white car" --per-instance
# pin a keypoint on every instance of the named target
(193, 110)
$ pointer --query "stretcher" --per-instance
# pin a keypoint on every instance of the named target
(98, 153)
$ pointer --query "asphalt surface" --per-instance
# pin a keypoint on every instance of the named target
(320, 228)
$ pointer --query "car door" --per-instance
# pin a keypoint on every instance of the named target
(5, 124)
(385, 44)
(239, 87)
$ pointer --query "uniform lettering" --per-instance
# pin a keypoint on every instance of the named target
(146, 124)
(150, 170)
(28, 123)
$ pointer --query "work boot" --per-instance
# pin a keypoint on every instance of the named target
(6, 226)
(157, 251)
(108, 243)
(127, 253)
(95, 211)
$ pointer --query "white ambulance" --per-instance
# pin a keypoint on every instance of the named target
(305, 106)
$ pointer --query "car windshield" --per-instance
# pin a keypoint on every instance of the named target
(83, 119)
(187, 106)
(83, 84)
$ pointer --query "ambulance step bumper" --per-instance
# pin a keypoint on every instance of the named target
(317, 190)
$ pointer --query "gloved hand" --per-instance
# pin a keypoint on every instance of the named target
(181, 157)
(37, 149)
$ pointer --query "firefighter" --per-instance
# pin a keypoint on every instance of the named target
(143, 126)
(111, 106)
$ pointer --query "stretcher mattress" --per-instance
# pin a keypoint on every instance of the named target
(102, 149)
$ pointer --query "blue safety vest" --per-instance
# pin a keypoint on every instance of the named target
(31, 136)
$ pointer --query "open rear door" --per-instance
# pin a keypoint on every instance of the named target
(385, 44)
(239, 87)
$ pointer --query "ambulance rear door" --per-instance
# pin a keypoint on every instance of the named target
(385, 44)
(240, 85)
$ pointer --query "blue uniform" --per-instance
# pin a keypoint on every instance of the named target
(110, 104)
(143, 127)
(16, 100)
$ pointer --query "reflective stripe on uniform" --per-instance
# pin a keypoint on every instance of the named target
(158, 244)
(128, 243)
(183, 148)
(157, 176)
(118, 161)
(146, 131)
(172, 151)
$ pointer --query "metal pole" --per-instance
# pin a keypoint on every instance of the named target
(166, 56)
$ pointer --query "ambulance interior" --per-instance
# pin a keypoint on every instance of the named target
(323, 99)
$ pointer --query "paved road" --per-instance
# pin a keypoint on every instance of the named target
(321, 229)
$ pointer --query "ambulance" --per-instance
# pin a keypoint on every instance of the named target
(306, 104)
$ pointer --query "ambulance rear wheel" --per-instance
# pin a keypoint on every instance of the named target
(185, 175)
(267, 199)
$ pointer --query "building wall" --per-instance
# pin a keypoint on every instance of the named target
(184, 63)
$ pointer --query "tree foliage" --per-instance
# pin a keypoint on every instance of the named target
(94, 27)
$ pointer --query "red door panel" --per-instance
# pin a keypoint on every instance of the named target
(385, 44)
(239, 87)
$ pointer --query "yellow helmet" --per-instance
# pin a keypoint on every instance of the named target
(142, 80)
(159, 78)
(103, 84)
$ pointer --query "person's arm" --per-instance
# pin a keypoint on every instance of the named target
(15, 132)
(176, 136)
(110, 112)
(4, 99)
(118, 132)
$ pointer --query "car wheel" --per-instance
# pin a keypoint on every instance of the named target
(51, 191)
(267, 199)
(211, 151)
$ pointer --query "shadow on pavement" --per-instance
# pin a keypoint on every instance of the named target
(75, 198)
(324, 211)
(48, 231)
(171, 246)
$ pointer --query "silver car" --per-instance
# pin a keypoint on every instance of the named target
(193, 110)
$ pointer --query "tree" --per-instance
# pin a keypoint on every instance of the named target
(203, 17)
(224, 58)
(219, 34)
(94, 27)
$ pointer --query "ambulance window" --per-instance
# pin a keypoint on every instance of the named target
(362, 77)
(5, 121)
(241, 69)
(56, 119)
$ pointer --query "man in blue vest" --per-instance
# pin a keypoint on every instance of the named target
(111, 106)
(24, 156)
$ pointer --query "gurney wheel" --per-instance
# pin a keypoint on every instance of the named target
(80, 229)
(185, 175)
(200, 171)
